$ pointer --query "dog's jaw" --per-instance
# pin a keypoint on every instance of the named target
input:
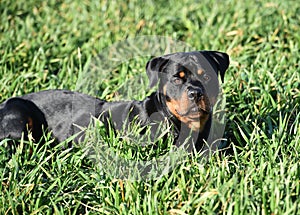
(195, 120)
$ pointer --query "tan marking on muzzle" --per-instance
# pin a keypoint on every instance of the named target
(195, 121)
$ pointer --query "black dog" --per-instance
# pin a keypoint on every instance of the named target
(187, 89)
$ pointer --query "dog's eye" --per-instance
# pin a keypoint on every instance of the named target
(177, 80)
(206, 77)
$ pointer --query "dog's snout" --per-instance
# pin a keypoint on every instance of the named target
(195, 94)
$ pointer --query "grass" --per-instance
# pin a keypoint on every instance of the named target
(47, 44)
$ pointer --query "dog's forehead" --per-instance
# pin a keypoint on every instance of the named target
(195, 62)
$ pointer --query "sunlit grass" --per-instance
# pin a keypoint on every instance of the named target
(46, 44)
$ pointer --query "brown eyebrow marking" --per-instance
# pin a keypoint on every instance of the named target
(200, 71)
(181, 74)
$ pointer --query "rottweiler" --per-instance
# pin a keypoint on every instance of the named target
(187, 85)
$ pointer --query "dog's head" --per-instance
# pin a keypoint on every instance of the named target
(188, 82)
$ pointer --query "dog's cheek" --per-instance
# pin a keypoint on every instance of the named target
(206, 103)
(177, 101)
(169, 93)
(172, 105)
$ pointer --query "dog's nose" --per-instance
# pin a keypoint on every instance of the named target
(195, 94)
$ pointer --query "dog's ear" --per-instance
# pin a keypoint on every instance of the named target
(153, 68)
(220, 59)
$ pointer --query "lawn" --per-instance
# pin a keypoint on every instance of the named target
(54, 44)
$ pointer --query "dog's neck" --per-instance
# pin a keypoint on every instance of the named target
(158, 104)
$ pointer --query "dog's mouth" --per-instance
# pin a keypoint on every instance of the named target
(194, 112)
(193, 115)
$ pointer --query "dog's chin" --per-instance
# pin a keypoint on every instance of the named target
(195, 126)
(195, 118)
